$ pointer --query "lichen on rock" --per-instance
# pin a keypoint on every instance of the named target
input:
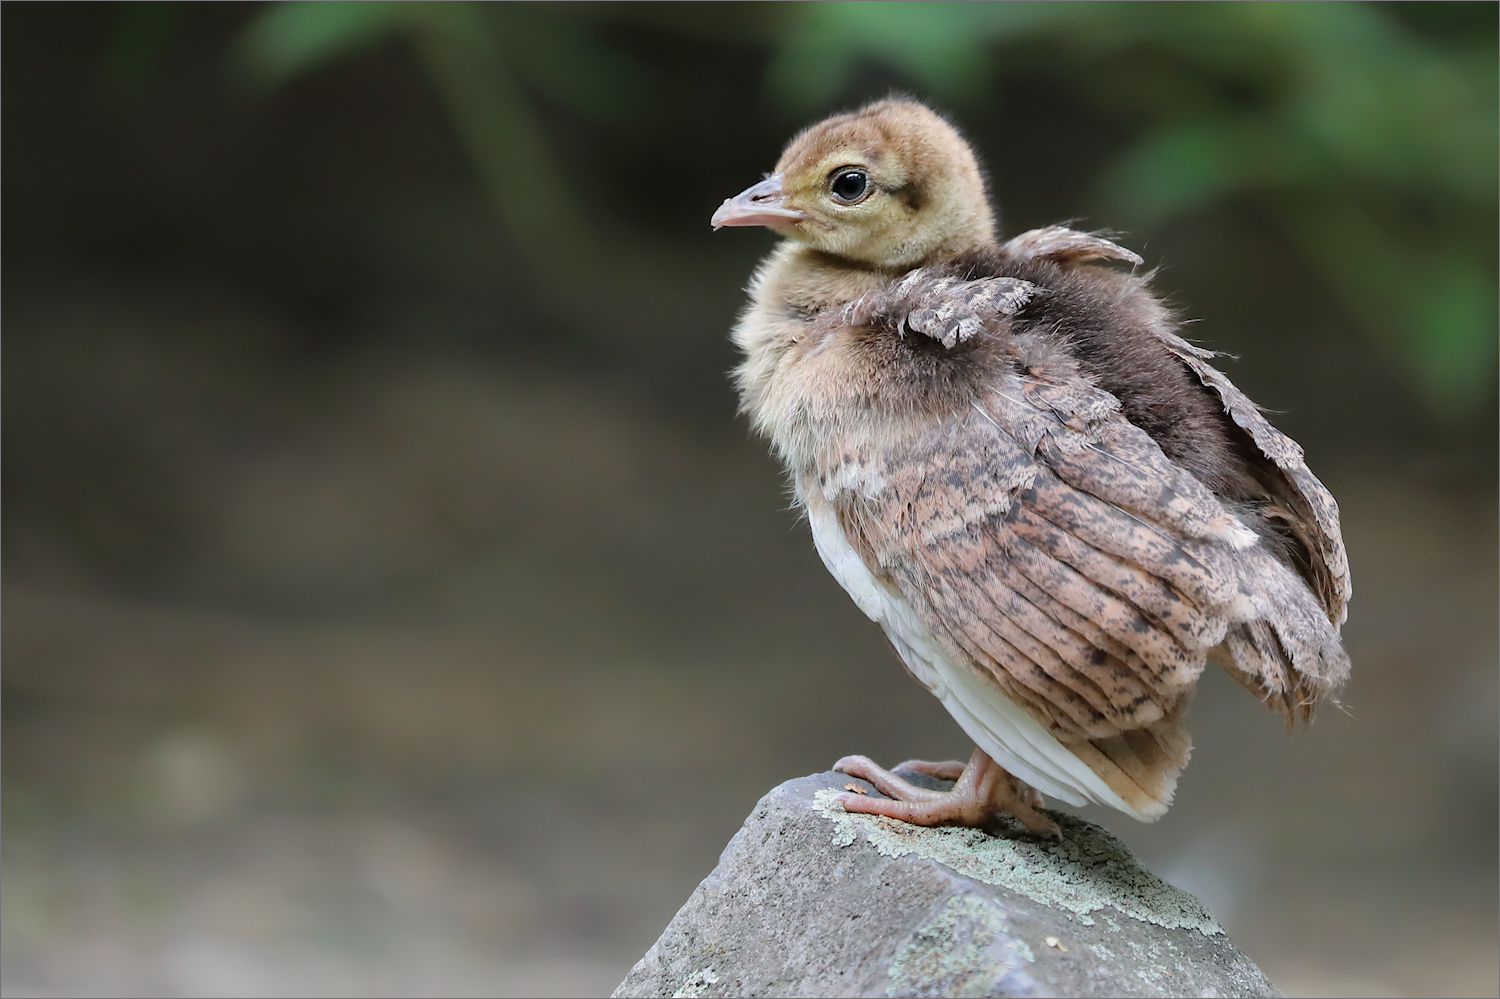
(963, 950)
(1088, 871)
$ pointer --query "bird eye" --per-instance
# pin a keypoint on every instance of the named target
(850, 186)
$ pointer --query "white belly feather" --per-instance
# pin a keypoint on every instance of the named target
(997, 725)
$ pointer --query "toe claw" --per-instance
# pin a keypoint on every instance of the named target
(1045, 829)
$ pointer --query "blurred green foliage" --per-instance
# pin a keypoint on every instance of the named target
(1366, 131)
(478, 56)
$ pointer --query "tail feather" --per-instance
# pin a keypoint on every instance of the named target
(1142, 765)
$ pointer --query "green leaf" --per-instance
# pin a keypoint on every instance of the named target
(459, 48)
(564, 60)
(1431, 310)
(1178, 169)
(1451, 323)
(943, 47)
(287, 39)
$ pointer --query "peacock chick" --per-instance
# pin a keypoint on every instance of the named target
(1056, 508)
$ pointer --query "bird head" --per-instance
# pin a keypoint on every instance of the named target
(889, 185)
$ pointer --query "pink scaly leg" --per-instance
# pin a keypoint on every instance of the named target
(983, 788)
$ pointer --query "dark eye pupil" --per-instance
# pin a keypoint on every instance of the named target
(850, 185)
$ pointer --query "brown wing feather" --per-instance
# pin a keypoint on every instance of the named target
(1067, 246)
(953, 529)
(1307, 507)
(1102, 611)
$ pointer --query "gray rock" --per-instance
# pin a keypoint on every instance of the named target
(809, 900)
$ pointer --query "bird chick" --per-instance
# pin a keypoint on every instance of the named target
(1054, 506)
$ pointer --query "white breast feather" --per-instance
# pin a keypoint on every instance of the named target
(1001, 728)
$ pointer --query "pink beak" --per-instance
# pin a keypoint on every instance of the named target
(758, 205)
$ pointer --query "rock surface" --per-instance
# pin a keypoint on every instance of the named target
(809, 900)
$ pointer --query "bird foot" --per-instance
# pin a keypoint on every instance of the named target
(981, 789)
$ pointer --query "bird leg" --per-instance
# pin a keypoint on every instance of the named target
(982, 789)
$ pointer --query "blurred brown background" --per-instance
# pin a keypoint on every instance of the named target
(394, 603)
